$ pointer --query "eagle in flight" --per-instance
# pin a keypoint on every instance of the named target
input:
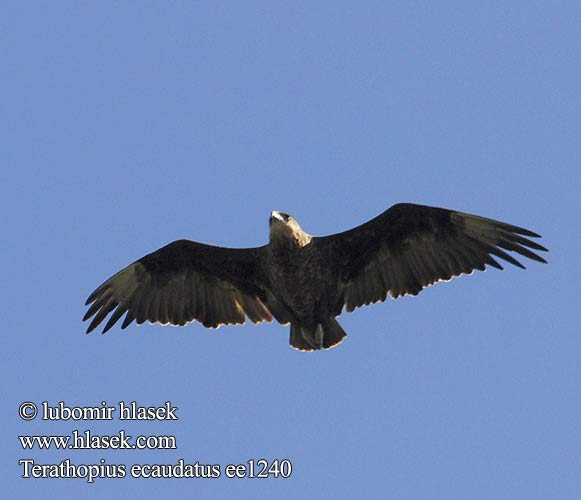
(307, 280)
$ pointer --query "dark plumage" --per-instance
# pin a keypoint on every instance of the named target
(304, 280)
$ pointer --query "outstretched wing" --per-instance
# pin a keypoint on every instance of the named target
(182, 282)
(410, 247)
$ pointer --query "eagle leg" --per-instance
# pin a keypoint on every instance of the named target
(322, 336)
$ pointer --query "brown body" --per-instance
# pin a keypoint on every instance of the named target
(296, 266)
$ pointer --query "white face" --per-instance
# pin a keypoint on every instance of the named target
(279, 216)
(283, 224)
(283, 220)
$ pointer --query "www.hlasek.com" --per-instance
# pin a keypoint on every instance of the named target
(86, 439)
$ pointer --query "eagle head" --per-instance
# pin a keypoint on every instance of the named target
(284, 226)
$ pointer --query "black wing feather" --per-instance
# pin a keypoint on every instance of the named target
(182, 282)
(410, 247)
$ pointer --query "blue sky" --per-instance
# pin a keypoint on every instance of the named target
(129, 125)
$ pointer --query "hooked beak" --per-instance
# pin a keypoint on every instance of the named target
(275, 215)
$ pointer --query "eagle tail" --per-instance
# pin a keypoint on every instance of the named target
(323, 336)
